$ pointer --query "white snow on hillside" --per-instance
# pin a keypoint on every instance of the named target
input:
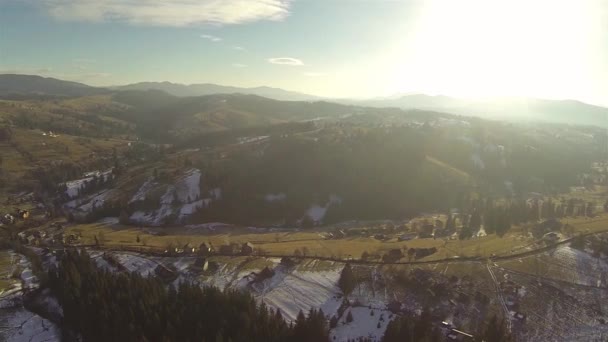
(74, 186)
(168, 196)
(363, 325)
(140, 195)
(20, 325)
(188, 188)
(587, 269)
(89, 203)
(295, 291)
(180, 199)
(28, 279)
(190, 208)
(136, 263)
(317, 212)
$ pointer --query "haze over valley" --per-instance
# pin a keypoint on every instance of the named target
(278, 171)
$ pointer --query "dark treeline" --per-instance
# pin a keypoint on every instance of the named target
(103, 306)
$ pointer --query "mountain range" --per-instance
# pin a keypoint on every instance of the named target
(513, 108)
(184, 90)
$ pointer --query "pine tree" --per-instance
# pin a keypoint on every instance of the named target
(349, 317)
(347, 281)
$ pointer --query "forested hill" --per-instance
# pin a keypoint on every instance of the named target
(22, 86)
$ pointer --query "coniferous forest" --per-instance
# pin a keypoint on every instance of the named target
(100, 305)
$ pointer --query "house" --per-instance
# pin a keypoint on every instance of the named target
(188, 249)
(408, 236)
(520, 316)
(23, 214)
(380, 237)
(205, 249)
(247, 248)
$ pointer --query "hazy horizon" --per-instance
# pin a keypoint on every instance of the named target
(331, 49)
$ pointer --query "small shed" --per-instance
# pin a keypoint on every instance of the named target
(205, 249)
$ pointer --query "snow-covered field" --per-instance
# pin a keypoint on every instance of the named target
(136, 263)
(20, 325)
(301, 290)
(562, 295)
(363, 324)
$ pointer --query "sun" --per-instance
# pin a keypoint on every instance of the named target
(480, 48)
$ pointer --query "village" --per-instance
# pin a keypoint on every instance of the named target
(423, 252)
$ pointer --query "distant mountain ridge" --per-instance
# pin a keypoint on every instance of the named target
(183, 90)
(24, 85)
(511, 109)
(506, 108)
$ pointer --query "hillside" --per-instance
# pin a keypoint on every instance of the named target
(20, 86)
(161, 115)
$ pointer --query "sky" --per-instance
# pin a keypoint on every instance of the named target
(556, 49)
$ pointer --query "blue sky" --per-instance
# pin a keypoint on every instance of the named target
(335, 48)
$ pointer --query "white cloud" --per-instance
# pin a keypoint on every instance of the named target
(167, 12)
(239, 65)
(239, 48)
(211, 38)
(285, 61)
(314, 74)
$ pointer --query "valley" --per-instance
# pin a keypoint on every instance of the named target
(451, 220)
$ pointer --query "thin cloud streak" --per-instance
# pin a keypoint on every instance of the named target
(285, 61)
(176, 13)
(211, 38)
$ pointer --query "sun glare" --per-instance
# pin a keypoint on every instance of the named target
(480, 48)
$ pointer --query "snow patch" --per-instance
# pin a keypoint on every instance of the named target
(23, 326)
(317, 212)
(363, 325)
